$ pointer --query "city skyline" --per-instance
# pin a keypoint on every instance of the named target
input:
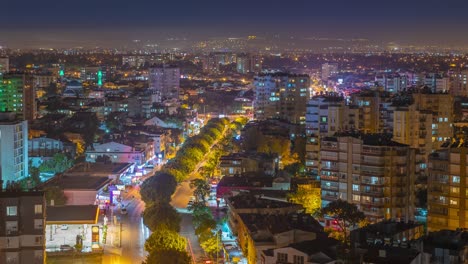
(55, 24)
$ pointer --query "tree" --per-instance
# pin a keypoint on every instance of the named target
(308, 196)
(202, 189)
(56, 194)
(205, 225)
(158, 188)
(161, 214)
(168, 256)
(345, 214)
(59, 163)
(210, 242)
(34, 173)
(165, 239)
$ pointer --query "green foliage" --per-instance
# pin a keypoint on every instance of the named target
(168, 256)
(308, 196)
(165, 239)
(158, 189)
(346, 214)
(34, 174)
(204, 226)
(210, 242)
(296, 168)
(58, 164)
(55, 193)
(161, 214)
(202, 189)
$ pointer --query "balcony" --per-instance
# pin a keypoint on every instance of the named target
(373, 193)
(329, 178)
(439, 190)
(331, 187)
(373, 203)
(371, 212)
(329, 197)
(369, 182)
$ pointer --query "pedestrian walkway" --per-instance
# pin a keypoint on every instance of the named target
(188, 232)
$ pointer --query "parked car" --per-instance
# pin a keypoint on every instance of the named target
(64, 227)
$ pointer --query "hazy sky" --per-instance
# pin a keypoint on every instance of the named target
(68, 22)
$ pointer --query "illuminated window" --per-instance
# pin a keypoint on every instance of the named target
(38, 209)
(12, 210)
(282, 258)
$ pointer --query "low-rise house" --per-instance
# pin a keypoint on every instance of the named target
(80, 190)
(321, 250)
(42, 148)
(229, 184)
(446, 247)
(258, 232)
(240, 163)
(388, 233)
(248, 203)
(117, 153)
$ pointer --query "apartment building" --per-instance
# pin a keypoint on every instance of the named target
(281, 95)
(441, 106)
(22, 226)
(447, 188)
(371, 171)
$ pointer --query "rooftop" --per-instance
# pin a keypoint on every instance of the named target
(246, 200)
(12, 193)
(79, 182)
(368, 139)
(390, 255)
(98, 168)
(72, 214)
(279, 223)
(389, 227)
(447, 239)
(236, 181)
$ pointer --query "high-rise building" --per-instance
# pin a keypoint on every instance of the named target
(441, 107)
(329, 70)
(459, 83)
(164, 82)
(281, 95)
(373, 111)
(135, 61)
(326, 114)
(22, 218)
(447, 188)
(248, 63)
(412, 126)
(13, 147)
(18, 94)
(438, 83)
(392, 83)
(4, 65)
(11, 94)
(370, 171)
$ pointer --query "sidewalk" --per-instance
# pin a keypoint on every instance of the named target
(188, 232)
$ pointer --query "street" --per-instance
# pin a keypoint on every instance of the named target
(134, 232)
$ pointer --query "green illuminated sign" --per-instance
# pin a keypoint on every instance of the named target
(99, 75)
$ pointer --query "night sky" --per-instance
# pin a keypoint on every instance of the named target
(66, 22)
